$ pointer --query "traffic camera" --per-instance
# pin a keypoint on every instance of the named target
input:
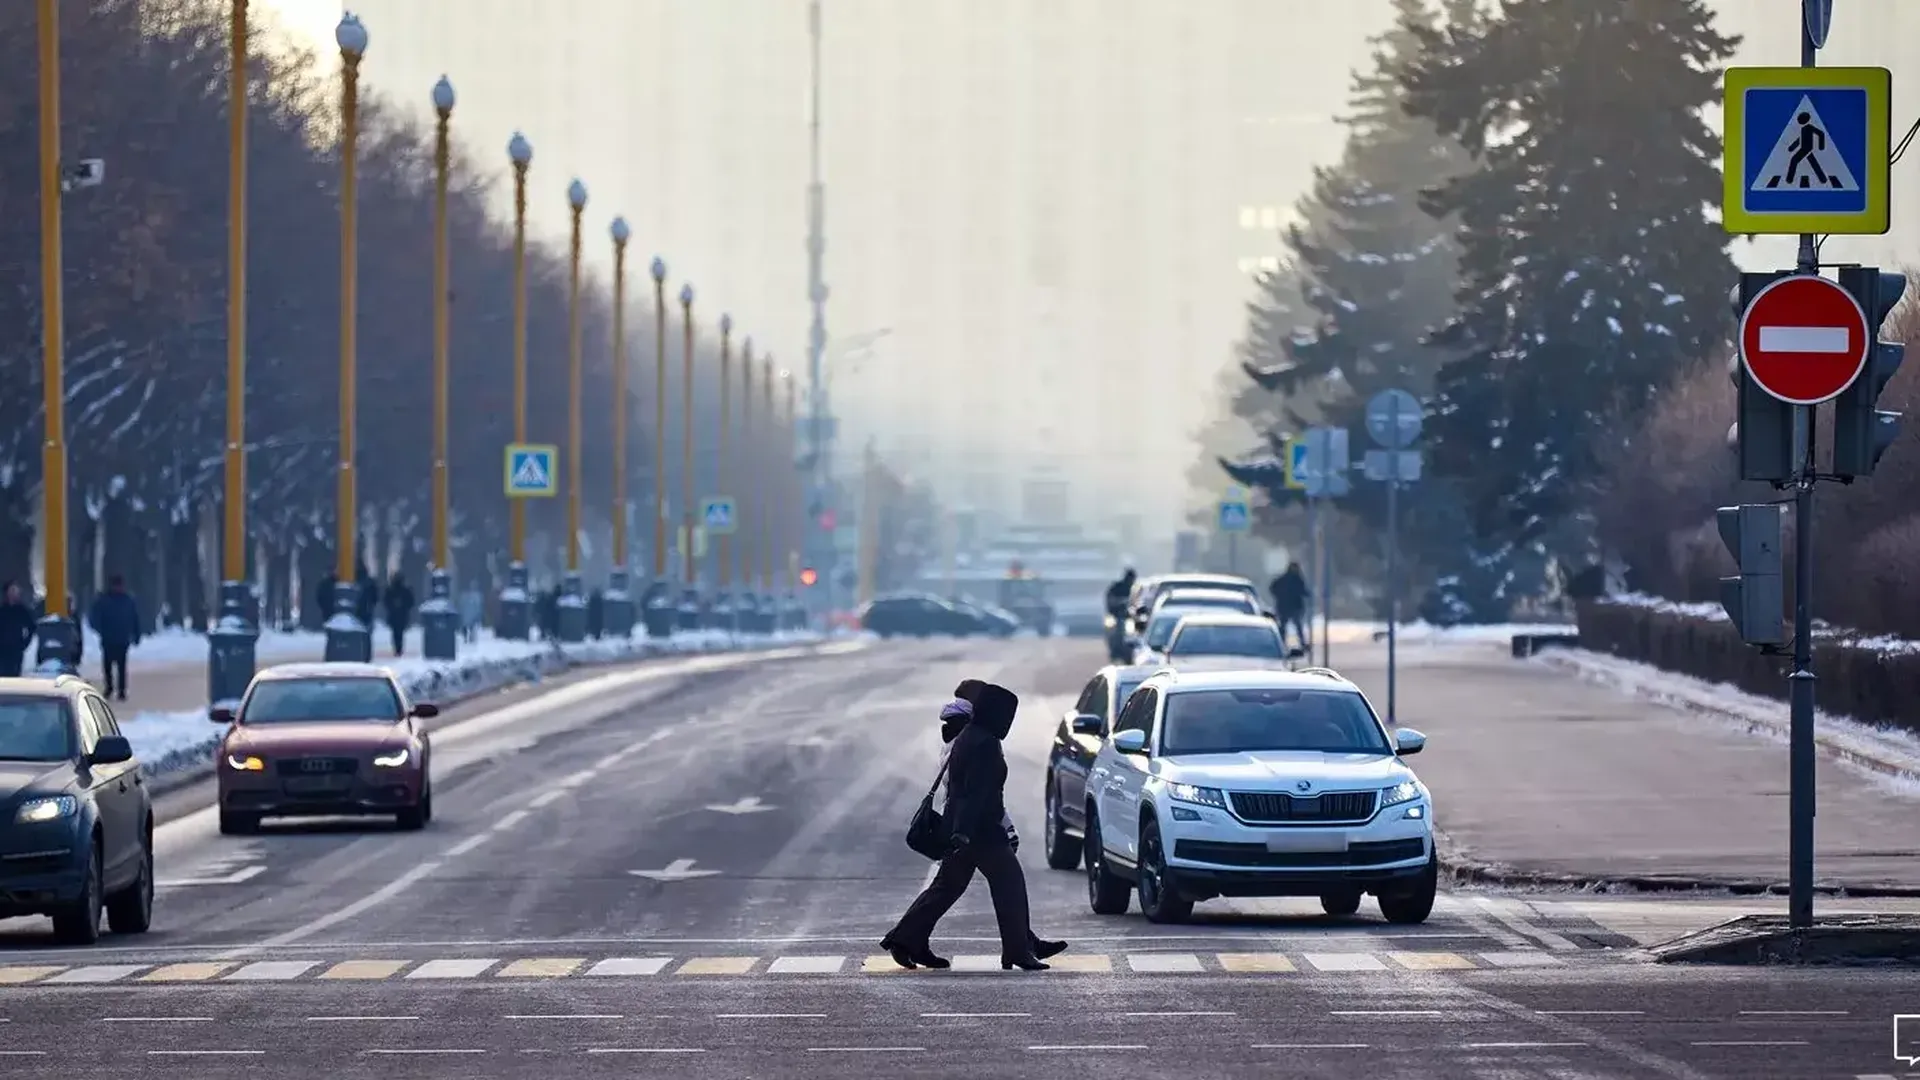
(1861, 432)
(1762, 436)
(1755, 599)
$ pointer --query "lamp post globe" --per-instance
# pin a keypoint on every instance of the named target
(658, 269)
(577, 194)
(351, 35)
(443, 96)
(686, 295)
(619, 230)
(519, 149)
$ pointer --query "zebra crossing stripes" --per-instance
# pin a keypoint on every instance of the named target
(466, 968)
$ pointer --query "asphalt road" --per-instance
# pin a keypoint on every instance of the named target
(686, 866)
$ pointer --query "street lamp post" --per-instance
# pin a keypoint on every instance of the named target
(516, 611)
(659, 611)
(230, 644)
(573, 601)
(723, 611)
(791, 524)
(747, 606)
(618, 605)
(439, 622)
(347, 637)
(58, 633)
(764, 516)
(689, 584)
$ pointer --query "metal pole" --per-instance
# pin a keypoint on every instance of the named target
(442, 161)
(577, 200)
(517, 549)
(1233, 553)
(748, 507)
(659, 422)
(686, 438)
(53, 461)
(620, 399)
(1312, 572)
(821, 480)
(234, 549)
(769, 484)
(1393, 569)
(1800, 684)
(1326, 594)
(792, 530)
(723, 551)
(347, 495)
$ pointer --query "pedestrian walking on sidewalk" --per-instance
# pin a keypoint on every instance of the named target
(115, 617)
(399, 605)
(17, 629)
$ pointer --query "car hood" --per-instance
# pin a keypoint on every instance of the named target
(35, 776)
(1283, 771)
(318, 736)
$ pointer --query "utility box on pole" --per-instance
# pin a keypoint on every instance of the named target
(1755, 599)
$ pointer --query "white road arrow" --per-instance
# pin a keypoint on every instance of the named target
(749, 805)
(677, 870)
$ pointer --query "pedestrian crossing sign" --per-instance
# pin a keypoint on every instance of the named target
(530, 471)
(1297, 464)
(716, 514)
(1235, 515)
(1807, 150)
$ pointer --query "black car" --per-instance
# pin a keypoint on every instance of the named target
(992, 621)
(917, 615)
(1075, 742)
(76, 838)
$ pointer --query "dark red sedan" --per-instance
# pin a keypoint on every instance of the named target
(324, 740)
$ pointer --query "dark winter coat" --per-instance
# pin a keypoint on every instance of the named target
(1290, 593)
(1118, 594)
(116, 618)
(368, 599)
(977, 769)
(17, 628)
(399, 605)
(323, 596)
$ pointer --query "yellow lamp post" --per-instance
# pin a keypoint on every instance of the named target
(618, 609)
(230, 644)
(658, 594)
(347, 637)
(439, 623)
(516, 611)
(723, 551)
(59, 636)
(689, 597)
(573, 603)
(766, 516)
(744, 511)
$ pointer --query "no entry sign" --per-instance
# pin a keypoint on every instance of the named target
(1804, 339)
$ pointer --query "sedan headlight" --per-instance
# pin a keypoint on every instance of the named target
(393, 760)
(53, 808)
(1199, 796)
(1404, 792)
(245, 763)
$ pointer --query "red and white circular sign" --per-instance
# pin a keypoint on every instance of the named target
(1804, 339)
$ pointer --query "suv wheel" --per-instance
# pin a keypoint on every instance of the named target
(1063, 851)
(130, 911)
(1160, 899)
(421, 812)
(1345, 902)
(1415, 904)
(1107, 892)
(78, 923)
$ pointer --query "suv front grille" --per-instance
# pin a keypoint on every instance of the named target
(1256, 856)
(1271, 807)
(317, 766)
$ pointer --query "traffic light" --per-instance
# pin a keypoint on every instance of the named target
(808, 576)
(1755, 599)
(1763, 432)
(1861, 433)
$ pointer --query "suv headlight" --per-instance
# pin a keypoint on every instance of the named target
(1404, 792)
(245, 763)
(1199, 796)
(35, 811)
(393, 760)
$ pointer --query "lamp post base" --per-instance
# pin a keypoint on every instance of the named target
(439, 622)
(658, 610)
(616, 606)
(516, 608)
(231, 643)
(795, 613)
(689, 609)
(573, 609)
(722, 615)
(58, 651)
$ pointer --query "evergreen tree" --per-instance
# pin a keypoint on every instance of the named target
(1589, 270)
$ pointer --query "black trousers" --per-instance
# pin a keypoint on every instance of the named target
(1001, 867)
(113, 658)
(399, 633)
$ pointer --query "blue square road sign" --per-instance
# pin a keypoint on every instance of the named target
(530, 470)
(1806, 150)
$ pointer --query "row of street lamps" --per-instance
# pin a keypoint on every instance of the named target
(231, 660)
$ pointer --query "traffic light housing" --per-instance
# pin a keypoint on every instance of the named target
(1755, 598)
(1763, 432)
(1861, 432)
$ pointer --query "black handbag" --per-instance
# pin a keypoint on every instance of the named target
(928, 832)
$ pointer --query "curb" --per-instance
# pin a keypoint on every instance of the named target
(1569, 660)
(1465, 870)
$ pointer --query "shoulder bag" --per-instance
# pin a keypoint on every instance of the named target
(928, 832)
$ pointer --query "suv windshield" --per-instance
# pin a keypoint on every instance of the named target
(1260, 641)
(1277, 720)
(34, 729)
(353, 697)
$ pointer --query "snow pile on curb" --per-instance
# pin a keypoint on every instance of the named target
(1888, 753)
(169, 743)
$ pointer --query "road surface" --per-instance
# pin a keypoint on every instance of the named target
(685, 867)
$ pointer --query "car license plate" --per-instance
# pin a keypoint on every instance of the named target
(309, 785)
(1314, 841)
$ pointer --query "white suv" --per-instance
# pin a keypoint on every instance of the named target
(1257, 783)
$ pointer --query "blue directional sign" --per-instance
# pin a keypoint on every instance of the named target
(1298, 464)
(716, 513)
(530, 471)
(1807, 150)
(1236, 515)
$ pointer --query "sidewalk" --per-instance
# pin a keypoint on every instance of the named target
(1543, 772)
(171, 676)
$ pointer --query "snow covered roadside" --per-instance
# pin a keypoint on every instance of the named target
(172, 745)
(177, 645)
(1889, 754)
(1427, 634)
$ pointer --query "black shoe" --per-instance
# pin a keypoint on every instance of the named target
(901, 955)
(926, 957)
(1024, 963)
(1042, 948)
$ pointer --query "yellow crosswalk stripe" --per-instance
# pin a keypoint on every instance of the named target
(1250, 962)
(1431, 961)
(1083, 962)
(185, 972)
(718, 965)
(879, 965)
(540, 969)
(365, 969)
(16, 975)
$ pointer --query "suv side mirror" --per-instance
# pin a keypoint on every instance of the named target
(1131, 741)
(220, 714)
(425, 710)
(111, 750)
(1408, 741)
(1086, 724)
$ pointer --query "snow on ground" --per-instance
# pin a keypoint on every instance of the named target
(176, 645)
(1362, 630)
(1873, 750)
(1827, 632)
(168, 742)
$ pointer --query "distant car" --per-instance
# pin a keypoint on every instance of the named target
(917, 615)
(1075, 742)
(994, 621)
(1147, 590)
(324, 740)
(1226, 634)
(1257, 783)
(76, 835)
(1223, 599)
(1151, 646)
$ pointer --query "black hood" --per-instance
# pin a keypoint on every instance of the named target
(993, 710)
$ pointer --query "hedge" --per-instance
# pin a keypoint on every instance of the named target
(1871, 685)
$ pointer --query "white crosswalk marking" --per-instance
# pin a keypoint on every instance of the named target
(96, 973)
(631, 965)
(806, 965)
(451, 969)
(274, 970)
(1352, 961)
(1164, 963)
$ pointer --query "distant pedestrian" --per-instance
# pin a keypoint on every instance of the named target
(115, 617)
(1290, 594)
(549, 610)
(17, 628)
(399, 605)
(326, 596)
(473, 607)
(596, 614)
(367, 599)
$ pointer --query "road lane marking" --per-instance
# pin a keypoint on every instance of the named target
(1430, 961)
(1082, 962)
(1738, 1042)
(1353, 961)
(272, 971)
(631, 965)
(880, 965)
(1590, 1012)
(866, 1049)
(365, 969)
(1248, 962)
(1793, 1012)
(21, 974)
(539, 968)
(452, 969)
(806, 965)
(156, 1019)
(366, 903)
(468, 845)
(1088, 1046)
(974, 1016)
(563, 1016)
(191, 972)
(23, 1053)
(358, 1019)
(1309, 1046)
(96, 973)
(1176, 1012)
(1517, 1045)
(205, 1053)
(419, 1050)
(718, 965)
(510, 821)
(546, 799)
(646, 1050)
(1164, 963)
(1386, 1012)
